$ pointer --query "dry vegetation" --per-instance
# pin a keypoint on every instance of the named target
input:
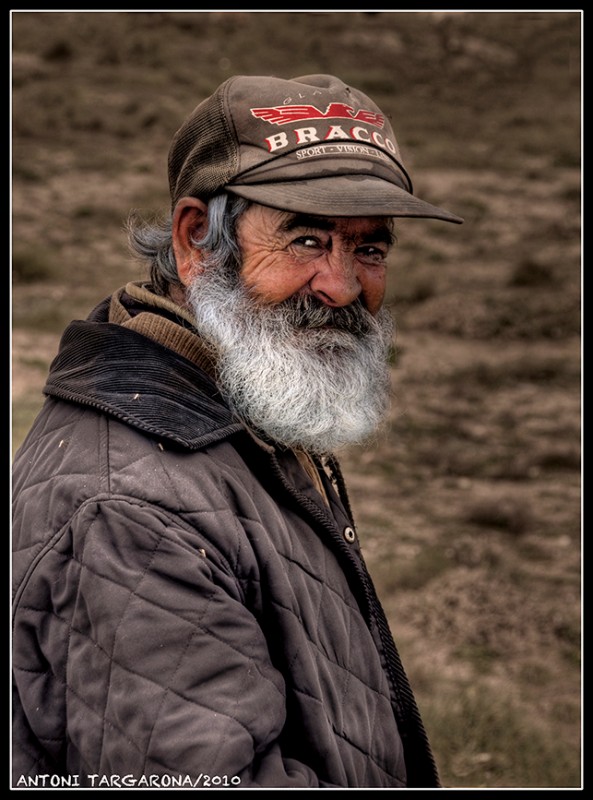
(469, 504)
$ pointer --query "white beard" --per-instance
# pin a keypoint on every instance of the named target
(314, 378)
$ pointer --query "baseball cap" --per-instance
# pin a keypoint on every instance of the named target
(310, 145)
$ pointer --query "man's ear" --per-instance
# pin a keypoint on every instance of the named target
(190, 222)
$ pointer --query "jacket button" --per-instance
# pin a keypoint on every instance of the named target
(349, 534)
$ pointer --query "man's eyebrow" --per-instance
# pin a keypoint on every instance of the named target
(307, 221)
(382, 233)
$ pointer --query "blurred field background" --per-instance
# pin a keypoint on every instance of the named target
(469, 504)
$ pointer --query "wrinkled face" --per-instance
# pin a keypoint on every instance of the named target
(336, 259)
(298, 327)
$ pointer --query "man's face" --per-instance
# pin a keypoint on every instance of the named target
(298, 327)
(336, 259)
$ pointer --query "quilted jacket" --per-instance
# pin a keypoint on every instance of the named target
(186, 604)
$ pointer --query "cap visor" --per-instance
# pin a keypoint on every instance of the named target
(342, 196)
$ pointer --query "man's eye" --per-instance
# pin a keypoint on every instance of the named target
(372, 253)
(307, 241)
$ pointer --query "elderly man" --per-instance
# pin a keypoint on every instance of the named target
(191, 604)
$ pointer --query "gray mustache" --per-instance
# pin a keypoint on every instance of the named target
(309, 312)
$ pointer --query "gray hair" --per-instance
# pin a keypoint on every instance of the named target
(152, 242)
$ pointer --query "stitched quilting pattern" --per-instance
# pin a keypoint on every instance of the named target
(176, 634)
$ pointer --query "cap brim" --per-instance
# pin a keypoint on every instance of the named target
(342, 196)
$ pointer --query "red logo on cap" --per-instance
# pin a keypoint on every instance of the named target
(282, 115)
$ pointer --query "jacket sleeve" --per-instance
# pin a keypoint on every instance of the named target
(167, 671)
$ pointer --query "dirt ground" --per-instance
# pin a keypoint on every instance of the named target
(469, 502)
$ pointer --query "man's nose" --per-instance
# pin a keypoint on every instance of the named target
(336, 281)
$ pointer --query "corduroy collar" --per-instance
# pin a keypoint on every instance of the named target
(137, 308)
